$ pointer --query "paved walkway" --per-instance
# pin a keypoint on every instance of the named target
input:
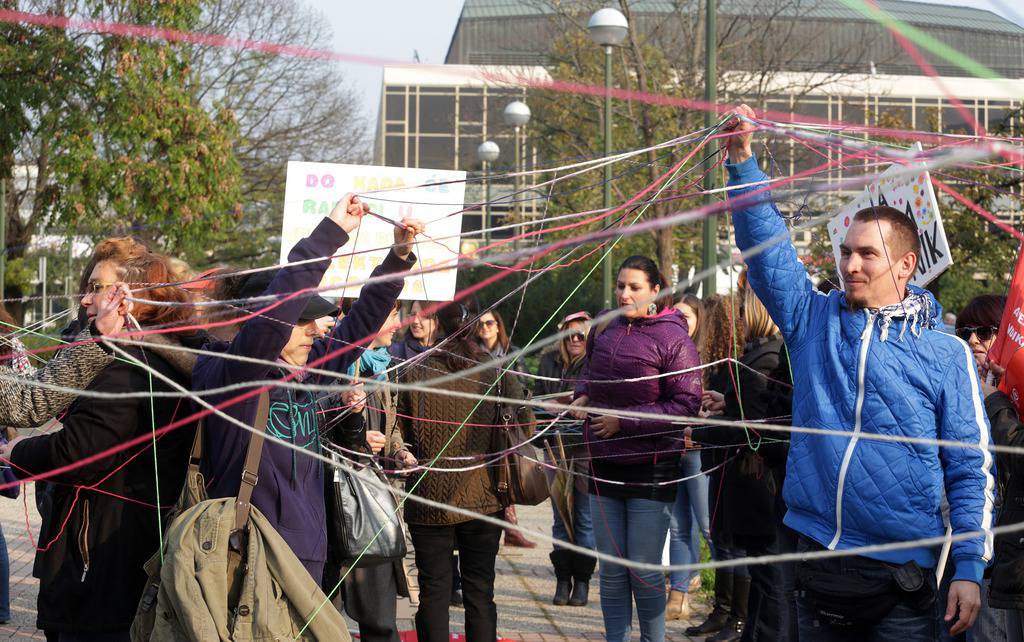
(524, 586)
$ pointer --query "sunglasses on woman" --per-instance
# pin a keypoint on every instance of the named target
(489, 323)
(983, 332)
(576, 336)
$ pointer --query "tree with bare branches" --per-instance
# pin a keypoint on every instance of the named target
(664, 54)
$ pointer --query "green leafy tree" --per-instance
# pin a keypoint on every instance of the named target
(146, 156)
(103, 134)
(286, 107)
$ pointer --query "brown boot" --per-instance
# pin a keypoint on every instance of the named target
(678, 607)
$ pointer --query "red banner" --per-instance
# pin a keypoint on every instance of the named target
(1006, 351)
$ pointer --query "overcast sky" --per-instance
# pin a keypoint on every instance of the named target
(395, 29)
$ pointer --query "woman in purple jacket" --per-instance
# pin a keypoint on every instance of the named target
(648, 345)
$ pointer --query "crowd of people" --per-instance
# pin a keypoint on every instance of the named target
(664, 436)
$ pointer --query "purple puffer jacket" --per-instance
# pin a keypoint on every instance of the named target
(634, 348)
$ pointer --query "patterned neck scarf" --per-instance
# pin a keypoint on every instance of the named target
(915, 310)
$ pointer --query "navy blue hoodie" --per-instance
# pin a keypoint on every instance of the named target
(290, 491)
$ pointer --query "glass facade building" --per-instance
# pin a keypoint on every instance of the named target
(437, 115)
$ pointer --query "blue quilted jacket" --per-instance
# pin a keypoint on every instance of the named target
(883, 372)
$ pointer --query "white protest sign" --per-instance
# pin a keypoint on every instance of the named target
(912, 194)
(313, 189)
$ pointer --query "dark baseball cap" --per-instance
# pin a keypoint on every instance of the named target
(256, 284)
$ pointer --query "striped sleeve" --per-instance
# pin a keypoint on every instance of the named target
(969, 472)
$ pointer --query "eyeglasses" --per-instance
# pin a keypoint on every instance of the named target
(96, 287)
(489, 323)
(983, 332)
(576, 336)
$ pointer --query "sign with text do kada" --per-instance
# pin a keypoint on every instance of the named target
(435, 197)
(911, 193)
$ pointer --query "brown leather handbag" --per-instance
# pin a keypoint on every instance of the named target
(518, 477)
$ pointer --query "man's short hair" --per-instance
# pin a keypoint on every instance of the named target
(903, 237)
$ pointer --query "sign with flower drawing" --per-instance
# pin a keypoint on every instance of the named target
(907, 188)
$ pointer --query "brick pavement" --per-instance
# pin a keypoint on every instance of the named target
(523, 589)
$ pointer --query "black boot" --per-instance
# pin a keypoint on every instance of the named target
(580, 592)
(561, 560)
(582, 567)
(723, 606)
(562, 588)
(733, 630)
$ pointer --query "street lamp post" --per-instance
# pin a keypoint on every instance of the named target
(608, 28)
(517, 114)
(487, 152)
(710, 251)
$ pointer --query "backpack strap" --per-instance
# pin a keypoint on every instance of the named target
(251, 467)
(195, 458)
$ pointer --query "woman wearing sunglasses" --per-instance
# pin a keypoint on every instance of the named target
(494, 340)
(978, 323)
(1002, 597)
(560, 369)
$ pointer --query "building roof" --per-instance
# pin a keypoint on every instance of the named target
(916, 13)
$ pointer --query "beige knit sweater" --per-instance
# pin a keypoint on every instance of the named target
(25, 403)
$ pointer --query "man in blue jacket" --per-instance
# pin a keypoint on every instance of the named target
(866, 362)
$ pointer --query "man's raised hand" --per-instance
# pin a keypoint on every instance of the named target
(738, 145)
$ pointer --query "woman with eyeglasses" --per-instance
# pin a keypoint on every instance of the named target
(103, 525)
(978, 323)
(1002, 597)
(494, 339)
(559, 371)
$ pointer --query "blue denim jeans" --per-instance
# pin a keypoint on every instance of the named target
(634, 529)
(5, 580)
(689, 520)
(583, 524)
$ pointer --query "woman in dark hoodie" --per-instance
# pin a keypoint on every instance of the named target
(104, 524)
(631, 517)
(290, 492)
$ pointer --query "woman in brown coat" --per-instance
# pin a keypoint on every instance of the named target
(437, 425)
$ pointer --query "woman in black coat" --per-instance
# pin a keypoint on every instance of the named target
(1002, 606)
(104, 524)
(749, 511)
